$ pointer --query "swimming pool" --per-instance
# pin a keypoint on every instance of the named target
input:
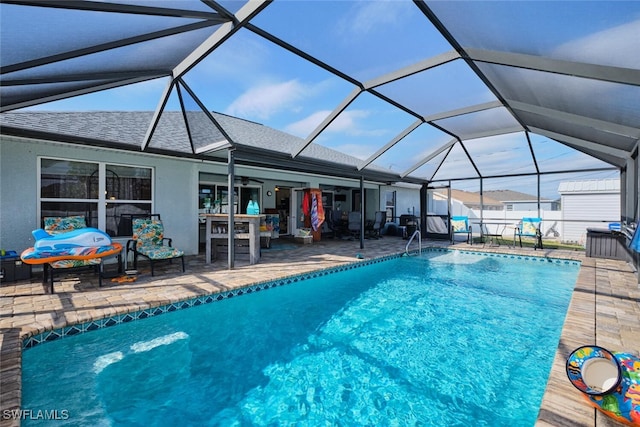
(449, 338)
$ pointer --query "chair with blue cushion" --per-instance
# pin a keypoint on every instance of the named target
(460, 225)
(148, 241)
(529, 227)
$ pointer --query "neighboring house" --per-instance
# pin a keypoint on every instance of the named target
(462, 202)
(516, 201)
(495, 210)
(472, 200)
(588, 203)
(57, 176)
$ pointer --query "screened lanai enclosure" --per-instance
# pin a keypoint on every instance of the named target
(479, 96)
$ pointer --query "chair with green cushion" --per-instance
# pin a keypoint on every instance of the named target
(64, 224)
(460, 225)
(148, 241)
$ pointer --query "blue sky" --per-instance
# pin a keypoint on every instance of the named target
(251, 78)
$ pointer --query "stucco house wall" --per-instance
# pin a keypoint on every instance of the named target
(175, 187)
(407, 199)
(174, 197)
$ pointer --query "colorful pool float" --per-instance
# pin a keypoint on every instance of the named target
(81, 244)
(610, 381)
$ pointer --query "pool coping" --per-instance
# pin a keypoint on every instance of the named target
(30, 340)
(554, 406)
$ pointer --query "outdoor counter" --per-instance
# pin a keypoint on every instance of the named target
(246, 227)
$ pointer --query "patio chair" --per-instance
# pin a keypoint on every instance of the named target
(460, 225)
(379, 221)
(60, 225)
(529, 227)
(329, 224)
(148, 241)
(354, 224)
(125, 222)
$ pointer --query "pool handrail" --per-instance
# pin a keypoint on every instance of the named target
(406, 248)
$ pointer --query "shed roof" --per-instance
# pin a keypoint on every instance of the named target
(590, 186)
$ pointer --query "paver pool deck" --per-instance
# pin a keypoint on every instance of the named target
(604, 309)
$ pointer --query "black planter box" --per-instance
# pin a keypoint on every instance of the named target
(13, 269)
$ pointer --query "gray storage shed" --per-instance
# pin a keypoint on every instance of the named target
(588, 204)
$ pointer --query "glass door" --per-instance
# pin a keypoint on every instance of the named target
(296, 218)
(437, 226)
(222, 197)
(206, 198)
(246, 194)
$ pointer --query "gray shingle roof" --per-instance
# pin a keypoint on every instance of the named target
(128, 128)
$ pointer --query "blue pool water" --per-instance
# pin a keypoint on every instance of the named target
(445, 339)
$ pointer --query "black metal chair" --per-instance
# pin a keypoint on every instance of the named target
(329, 228)
(379, 220)
(529, 227)
(125, 224)
(148, 241)
(354, 224)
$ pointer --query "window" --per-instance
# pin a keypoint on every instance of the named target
(390, 204)
(105, 194)
(214, 198)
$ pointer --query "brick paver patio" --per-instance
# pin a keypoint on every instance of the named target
(605, 308)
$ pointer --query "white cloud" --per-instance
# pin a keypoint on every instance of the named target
(614, 46)
(368, 15)
(347, 123)
(236, 60)
(304, 127)
(266, 100)
(356, 150)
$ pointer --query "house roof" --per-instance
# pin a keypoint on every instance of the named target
(506, 196)
(590, 186)
(468, 197)
(126, 130)
(483, 89)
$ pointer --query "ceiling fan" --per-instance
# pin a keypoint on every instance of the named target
(245, 180)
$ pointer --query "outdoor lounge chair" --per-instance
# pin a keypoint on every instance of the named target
(529, 227)
(148, 241)
(60, 225)
(460, 225)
